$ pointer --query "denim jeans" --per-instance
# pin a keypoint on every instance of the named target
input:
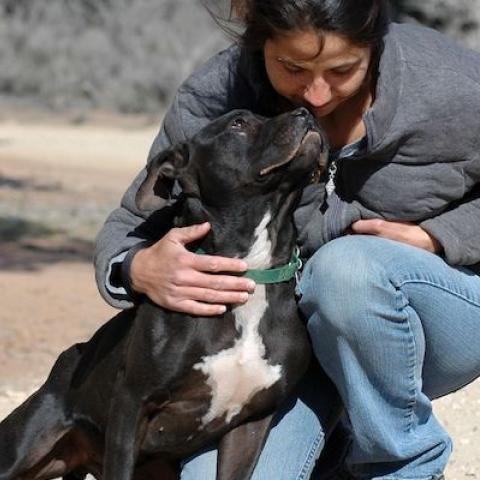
(296, 439)
(393, 326)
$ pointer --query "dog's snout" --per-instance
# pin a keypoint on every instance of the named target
(305, 118)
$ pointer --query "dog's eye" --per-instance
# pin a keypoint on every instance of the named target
(238, 123)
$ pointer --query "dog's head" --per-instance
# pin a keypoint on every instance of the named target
(237, 158)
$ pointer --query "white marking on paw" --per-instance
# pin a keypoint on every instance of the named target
(235, 375)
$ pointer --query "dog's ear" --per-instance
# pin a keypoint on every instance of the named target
(274, 166)
(162, 171)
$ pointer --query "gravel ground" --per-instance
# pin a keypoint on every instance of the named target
(57, 184)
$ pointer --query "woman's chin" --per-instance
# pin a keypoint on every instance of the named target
(322, 111)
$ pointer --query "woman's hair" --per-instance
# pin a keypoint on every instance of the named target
(363, 22)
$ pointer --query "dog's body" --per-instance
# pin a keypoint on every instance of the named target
(153, 385)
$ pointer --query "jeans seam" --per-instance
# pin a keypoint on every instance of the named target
(430, 477)
(307, 466)
(402, 305)
(401, 283)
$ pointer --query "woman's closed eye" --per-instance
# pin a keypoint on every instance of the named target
(293, 69)
(344, 69)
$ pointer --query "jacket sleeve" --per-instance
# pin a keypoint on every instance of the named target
(458, 230)
(320, 218)
(127, 228)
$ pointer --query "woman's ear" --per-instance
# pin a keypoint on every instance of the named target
(162, 171)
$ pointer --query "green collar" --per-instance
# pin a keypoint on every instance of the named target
(273, 275)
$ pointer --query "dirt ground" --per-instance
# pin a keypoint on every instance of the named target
(58, 182)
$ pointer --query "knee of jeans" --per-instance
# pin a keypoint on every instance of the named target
(340, 268)
(339, 278)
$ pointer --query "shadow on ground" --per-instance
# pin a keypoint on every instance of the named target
(27, 245)
(30, 184)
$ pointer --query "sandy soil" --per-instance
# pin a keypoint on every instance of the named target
(57, 184)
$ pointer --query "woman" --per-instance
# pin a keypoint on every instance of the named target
(390, 290)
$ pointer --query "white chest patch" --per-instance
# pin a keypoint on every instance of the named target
(235, 375)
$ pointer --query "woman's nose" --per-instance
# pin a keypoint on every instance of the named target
(318, 92)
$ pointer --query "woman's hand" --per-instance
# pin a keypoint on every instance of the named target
(399, 231)
(177, 279)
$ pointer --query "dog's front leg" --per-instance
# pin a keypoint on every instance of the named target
(239, 449)
(121, 435)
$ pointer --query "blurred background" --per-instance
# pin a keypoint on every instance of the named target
(83, 88)
(130, 55)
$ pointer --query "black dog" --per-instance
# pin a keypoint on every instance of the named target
(153, 385)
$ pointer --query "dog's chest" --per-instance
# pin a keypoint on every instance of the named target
(236, 374)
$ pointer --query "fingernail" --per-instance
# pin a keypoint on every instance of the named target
(222, 309)
(244, 297)
(251, 286)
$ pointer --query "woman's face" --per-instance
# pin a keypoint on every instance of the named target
(319, 72)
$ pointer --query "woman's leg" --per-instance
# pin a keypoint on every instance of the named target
(296, 439)
(393, 326)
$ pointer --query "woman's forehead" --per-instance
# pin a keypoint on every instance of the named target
(309, 45)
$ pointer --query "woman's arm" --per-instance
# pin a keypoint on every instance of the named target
(455, 233)
(458, 230)
(122, 231)
(132, 251)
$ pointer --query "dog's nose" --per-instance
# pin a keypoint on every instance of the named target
(300, 112)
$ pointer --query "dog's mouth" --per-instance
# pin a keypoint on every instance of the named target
(310, 136)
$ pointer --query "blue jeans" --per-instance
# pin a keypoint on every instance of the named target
(393, 326)
(296, 439)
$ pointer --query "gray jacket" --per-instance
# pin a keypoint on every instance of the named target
(421, 163)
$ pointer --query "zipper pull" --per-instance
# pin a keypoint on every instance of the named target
(330, 185)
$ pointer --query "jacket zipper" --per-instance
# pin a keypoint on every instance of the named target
(334, 206)
(332, 172)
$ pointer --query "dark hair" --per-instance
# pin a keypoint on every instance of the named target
(363, 22)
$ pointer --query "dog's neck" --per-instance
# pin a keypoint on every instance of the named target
(259, 256)
(262, 235)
